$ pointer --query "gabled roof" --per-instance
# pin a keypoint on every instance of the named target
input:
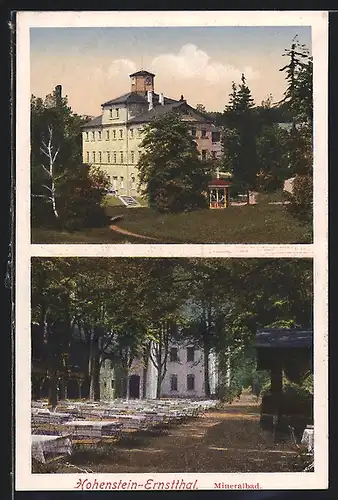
(142, 73)
(219, 183)
(284, 338)
(93, 123)
(131, 97)
(158, 110)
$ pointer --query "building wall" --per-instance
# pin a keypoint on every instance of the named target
(104, 144)
(181, 368)
(104, 151)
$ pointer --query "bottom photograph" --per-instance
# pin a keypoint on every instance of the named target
(149, 365)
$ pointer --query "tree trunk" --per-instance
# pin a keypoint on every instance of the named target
(206, 352)
(94, 368)
(158, 384)
(53, 390)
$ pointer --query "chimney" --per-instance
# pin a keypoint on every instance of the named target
(58, 91)
(182, 97)
(150, 99)
(161, 99)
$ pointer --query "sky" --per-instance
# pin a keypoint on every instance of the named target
(93, 64)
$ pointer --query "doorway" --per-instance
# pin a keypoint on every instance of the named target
(134, 386)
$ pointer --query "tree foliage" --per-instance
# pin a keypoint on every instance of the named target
(299, 99)
(239, 138)
(65, 192)
(171, 174)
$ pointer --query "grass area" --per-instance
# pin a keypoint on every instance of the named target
(87, 236)
(261, 223)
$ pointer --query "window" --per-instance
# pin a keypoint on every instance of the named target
(121, 155)
(133, 182)
(121, 133)
(131, 133)
(190, 354)
(108, 156)
(114, 182)
(93, 136)
(173, 356)
(193, 132)
(93, 156)
(100, 135)
(117, 113)
(100, 157)
(204, 154)
(110, 113)
(173, 383)
(107, 135)
(88, 160)
(215, 136)
(139, 132)
(132, 154)
(203, 132)
(121, 182)
(87, 136)
(190, 382)
(213, 155)
(114, 156)
(113, 384)
(114, 134)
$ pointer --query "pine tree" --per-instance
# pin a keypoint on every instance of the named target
(239, 144)
(299, 98)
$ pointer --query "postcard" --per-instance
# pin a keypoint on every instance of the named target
(171, 250)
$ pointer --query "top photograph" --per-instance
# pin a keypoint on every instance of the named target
(178, 135)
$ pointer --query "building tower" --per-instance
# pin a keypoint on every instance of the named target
(142, 82)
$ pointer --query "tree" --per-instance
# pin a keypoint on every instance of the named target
(171, 174)
(274, 167)
(299, 98)
(239, 138)
(56, 161)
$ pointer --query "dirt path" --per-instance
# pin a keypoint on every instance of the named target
(119, 230)
(227, 440)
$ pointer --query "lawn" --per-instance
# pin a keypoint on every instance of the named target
(261, 223)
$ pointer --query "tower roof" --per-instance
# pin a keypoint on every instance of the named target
(142, 73)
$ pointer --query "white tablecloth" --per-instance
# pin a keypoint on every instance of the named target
(308, 439)
(57, 445)
(92, 428)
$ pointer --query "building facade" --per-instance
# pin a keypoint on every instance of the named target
(184, 376)
(112, 140)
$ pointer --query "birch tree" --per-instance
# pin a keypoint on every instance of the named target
(51, 152)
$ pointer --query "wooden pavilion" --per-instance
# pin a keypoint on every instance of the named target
(219, 193)
(288, 351)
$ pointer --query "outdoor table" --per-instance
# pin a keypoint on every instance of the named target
(308, 438)
(54, 445)
(130, 420)
(50, 417)
(92, 428)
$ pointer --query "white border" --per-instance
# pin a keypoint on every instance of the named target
(24, 250)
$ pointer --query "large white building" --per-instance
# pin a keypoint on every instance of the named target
(112, 140)
(184, 376)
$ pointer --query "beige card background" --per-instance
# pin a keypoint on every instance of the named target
(318, 21)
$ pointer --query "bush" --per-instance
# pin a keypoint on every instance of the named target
(226, 394)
